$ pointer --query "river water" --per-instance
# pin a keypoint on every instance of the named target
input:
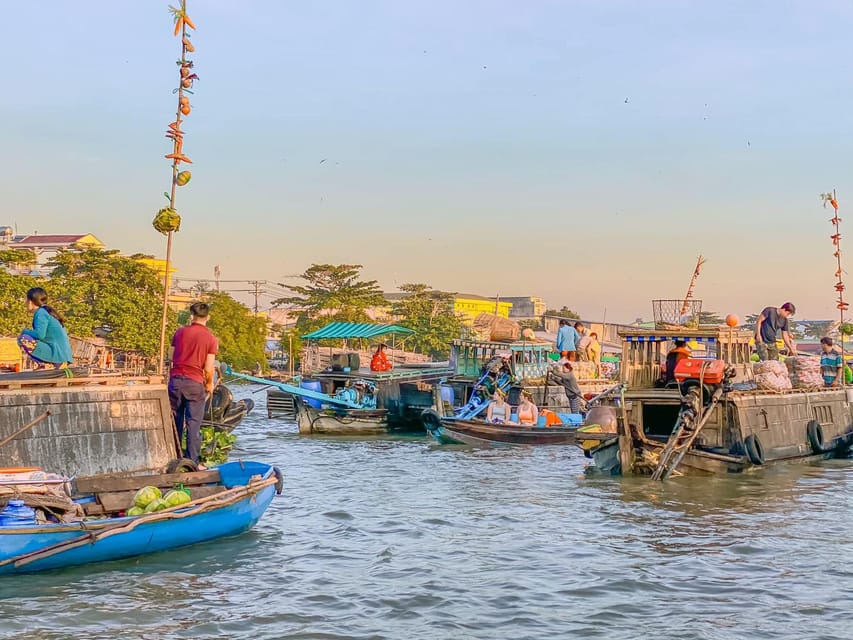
(403, 539)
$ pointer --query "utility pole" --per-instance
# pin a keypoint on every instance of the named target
(216, 273)
(257, 291)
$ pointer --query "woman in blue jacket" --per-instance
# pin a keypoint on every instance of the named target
(47, 342)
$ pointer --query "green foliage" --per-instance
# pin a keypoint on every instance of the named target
(816, 329)
(846, 329)
(332, 293)
(215, 446)
(242, 336)
(710, 318)
(430, 314)
(13, 311)
(17, 257)
(564, 312)
(95, 288)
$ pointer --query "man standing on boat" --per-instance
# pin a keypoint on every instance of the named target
(769, 323)
(192, 356)
(567, 340)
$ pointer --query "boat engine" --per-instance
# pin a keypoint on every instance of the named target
(700, 382)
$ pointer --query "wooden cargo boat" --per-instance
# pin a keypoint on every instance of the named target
(226, 501)
(724, 426)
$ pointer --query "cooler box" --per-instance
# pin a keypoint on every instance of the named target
(711, 371)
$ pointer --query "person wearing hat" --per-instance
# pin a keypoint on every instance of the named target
(771, 321)
(379, 361)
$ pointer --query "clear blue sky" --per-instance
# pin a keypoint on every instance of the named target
(583, 151)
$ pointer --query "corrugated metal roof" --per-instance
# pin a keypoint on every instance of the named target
(355, 330)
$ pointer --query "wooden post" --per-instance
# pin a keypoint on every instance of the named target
(626, 440)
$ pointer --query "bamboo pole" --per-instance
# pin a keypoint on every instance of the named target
(183, 21)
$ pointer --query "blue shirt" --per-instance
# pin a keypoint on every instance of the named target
(567, 338)
(829, 363)
(53, 345)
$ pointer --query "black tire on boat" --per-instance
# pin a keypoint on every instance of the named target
(814, 432)
(431, 420)
(754, 450)
(181, 465)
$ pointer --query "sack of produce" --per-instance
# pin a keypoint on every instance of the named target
(773, 382)
(804, 371)
(145, 496)
(770, 366)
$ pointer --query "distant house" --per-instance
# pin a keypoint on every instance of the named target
(526, 306)
(46, 247)
(468, 305)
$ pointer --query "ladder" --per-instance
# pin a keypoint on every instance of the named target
(691, 419)
(476, 404)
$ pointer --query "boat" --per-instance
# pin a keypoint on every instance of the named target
(481, 433)
(225, 501)
(714, 418)
(222, 412)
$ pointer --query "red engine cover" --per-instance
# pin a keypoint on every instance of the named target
(711, 371)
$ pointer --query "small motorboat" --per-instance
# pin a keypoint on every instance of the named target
(224, 501)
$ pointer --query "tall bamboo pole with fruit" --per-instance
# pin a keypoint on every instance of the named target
(841, 305)
(167, 221)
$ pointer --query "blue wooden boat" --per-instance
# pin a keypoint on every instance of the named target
(227, 501)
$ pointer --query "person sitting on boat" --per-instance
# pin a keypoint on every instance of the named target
(676, 354)
(528, 414)
(566, 377)
(567, 339)
(47, 342)
(769, 323)
(379, 361)
(831, 363)
(498, 411)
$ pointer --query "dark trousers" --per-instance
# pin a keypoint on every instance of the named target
(187, 398)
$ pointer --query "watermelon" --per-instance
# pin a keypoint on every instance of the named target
(156, 505)
(146, 495)
(135, 511)
(175, 497)
(183, 178)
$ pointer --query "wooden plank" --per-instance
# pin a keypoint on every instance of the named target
(119, 482)
(123, 500)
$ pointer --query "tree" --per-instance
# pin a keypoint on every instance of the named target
(100, 289)
(242, 335)
(817, 329)
(18, 258)
(750, 321)
(333, 293)
(13, 294)
(430, 314)
(564, 312)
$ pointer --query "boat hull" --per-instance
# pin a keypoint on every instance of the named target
(162, 535)
(351, 422)
(480, 433)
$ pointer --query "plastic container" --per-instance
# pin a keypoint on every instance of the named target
(312, 385)
(447, 394)
(17, 514)
(541, 421)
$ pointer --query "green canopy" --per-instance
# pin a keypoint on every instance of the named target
(345, 330)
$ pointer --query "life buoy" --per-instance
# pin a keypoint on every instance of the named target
(814, 433)
(754, 450)
(431, 420)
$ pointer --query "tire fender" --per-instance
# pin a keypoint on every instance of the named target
(754, 450)
(814, 433)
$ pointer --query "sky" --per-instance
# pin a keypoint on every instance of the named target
(583, 151)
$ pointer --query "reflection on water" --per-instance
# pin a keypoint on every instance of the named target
(400, 538)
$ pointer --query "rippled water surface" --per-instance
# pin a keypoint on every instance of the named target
(402, 539)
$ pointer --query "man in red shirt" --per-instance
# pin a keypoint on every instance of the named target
(192, 355)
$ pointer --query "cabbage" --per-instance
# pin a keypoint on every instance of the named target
(146, 495)
(176, 497)
(135, 511)
(158, 504)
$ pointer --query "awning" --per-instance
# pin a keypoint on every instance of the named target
(345, 330)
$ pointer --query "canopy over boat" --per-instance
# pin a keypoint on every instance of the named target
(347, 330)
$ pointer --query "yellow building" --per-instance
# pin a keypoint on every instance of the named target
(470, 306)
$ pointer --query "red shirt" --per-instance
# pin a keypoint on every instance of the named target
(192, 346)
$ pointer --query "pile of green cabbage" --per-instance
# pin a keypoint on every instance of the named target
(150, 499)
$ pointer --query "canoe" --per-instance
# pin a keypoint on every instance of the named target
(446, 430)
(231, 502)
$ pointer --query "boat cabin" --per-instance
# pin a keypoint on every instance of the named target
(529, 359)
